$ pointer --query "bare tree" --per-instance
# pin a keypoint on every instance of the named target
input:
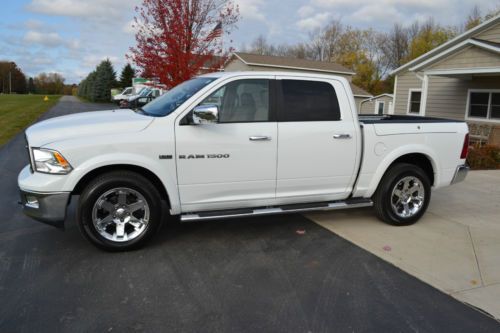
(474, 18)
(395, 44)
(333, 32)
(492, 13)
(260, 46)
(316, 44)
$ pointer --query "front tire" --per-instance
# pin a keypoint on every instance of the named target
(403, 195)
(119, 211)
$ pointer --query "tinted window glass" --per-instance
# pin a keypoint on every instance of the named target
(309, 101)
(415, 98)
(478, 111)
(479, 98)
(478, 106)
(495, 105)
(242, 101)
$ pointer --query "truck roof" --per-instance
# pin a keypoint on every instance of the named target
(276, 73)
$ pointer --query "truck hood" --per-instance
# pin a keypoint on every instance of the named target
(86, 124)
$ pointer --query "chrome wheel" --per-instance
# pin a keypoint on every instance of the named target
(408, 196)
(120, 214)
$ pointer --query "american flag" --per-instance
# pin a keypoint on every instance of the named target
(217, 32)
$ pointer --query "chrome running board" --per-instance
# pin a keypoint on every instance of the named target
(299, 208)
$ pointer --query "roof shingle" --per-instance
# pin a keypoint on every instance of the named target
(309, 65)
(289, 62)
(357, 91)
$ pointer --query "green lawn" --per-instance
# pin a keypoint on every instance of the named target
(19, 111)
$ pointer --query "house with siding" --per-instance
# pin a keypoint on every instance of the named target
(459, 79)
(240, 61)
(381, 104)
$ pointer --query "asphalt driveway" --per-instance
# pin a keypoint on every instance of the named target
(237, 275)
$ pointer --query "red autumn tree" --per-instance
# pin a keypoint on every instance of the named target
(177, 39)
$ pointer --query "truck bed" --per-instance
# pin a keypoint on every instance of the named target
(391, 118)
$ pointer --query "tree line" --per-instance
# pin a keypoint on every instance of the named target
(371, 54)
(13, 80)
(96, 87)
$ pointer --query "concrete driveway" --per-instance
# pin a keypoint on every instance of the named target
(275, 274)
(455, 247)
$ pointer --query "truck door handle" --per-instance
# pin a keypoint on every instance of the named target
(342, 136)
(259, 138)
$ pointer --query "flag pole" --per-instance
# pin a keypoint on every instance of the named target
(221, 46)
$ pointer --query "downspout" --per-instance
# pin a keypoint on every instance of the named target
(425, 89)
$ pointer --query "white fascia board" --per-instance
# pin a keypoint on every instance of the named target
(458, 71)
(453, 49)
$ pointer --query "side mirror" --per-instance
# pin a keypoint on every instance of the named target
(205, 114)
(141, 101)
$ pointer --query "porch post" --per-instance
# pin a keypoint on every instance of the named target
(425, 89)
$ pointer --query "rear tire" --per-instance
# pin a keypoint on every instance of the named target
(403, 195)
(119, 211)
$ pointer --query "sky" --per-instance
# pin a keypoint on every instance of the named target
(71, 37)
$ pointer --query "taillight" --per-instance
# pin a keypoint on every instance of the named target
(465, 148)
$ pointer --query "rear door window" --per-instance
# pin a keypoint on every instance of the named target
(303, 100)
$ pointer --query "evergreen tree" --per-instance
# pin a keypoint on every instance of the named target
(91, 91)
(82, 88)
(96, 87)
(126, 76)
(105, 78)
(31, 86)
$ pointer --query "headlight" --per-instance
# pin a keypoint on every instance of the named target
(50, 161)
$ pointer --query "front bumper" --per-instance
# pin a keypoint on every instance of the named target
(46, 207)
(460, 173)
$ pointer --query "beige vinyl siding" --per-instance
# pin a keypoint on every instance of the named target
(492, 34)
(368, 107)
(405, 81)
(238, 65)
(358, 100)
(447, 97)
(472, 57)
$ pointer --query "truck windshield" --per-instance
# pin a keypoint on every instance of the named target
(145, 92)
(169, 101)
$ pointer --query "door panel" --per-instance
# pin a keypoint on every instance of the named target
(316, 159)
(223, 165)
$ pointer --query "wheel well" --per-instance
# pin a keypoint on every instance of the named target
(420, 160)
(137, 169)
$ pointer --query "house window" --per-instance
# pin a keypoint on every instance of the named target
(495, 106)
(414, 102)
(380, 109)
(484, 104)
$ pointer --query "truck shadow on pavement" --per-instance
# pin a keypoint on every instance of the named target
(278, 273)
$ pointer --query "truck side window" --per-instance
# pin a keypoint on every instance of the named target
(242, 101)
(308, 101)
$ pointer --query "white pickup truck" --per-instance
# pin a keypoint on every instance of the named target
(227, 145)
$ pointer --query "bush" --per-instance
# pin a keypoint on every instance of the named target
(485, 157)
